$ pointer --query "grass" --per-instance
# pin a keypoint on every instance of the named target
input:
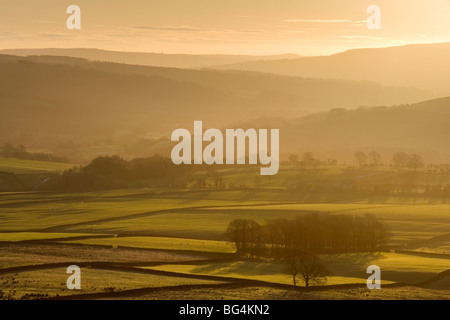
(161, 243)
(404, 223)
(196, 219)
(25, 236)
(36, 211)
(265, 293)
(261, 271)
(265, 271)
(443, 249)
(345, 268)
(52, 282)
(17, 254)
(19, 166)
(184, 225)
(289, 176)
(56, 211)
(395, 267)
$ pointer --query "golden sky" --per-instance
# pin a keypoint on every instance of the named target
(255, 27)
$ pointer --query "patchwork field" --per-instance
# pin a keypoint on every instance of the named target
(161, 243)
(345, 268)
(139, 243)
(18, 166)
(52, 282)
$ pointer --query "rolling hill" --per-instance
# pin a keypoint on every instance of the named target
(60, 98)
(423, 127)
(144, 58)
(420, 66)
(290, 95)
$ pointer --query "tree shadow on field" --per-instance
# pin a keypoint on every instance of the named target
(241, 267)
(410, 277)
(351, 264)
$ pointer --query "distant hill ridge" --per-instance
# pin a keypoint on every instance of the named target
(144, 58)
(60, 99)
(423, 127)
(419, 65)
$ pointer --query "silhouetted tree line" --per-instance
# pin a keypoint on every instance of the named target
(308, 160)
(412, 189)
(20, 152)
(306, 266)
(312, 233)
(109, 172)
(373, 158)
(399, 159)
(391, 189)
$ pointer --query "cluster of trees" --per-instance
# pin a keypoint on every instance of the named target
(308, 159)
(108, 172)
(313, 233)
(305, 265)
(399, 159)
(412, 189)
(373, 158)
(248, 236)
(441, 169)
(403, 160)
(372, 188)
(326, 233)
(296, 242)
(20, 152)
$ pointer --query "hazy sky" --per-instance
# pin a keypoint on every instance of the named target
(305, 27)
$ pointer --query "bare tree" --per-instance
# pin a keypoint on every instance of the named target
(400, 159)
(237, 232)
(361, 158)
(415, 161)
(293, 159)
(255, 238)
(374, 158)
(305, 265)
(247, 235)
(309, 160)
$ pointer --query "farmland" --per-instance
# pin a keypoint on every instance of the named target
(141, 242)
(19, 166)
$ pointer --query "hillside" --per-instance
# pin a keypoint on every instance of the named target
(60, 98)
(67, 100)
(420, 66)
(422, 127)
(144, 58)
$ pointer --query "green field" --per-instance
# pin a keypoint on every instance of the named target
(52, 282)
(184, 215)
(19, 166)
(179, 230)
(405, 223)
(27, 236)
(161, 243)
(345, 268)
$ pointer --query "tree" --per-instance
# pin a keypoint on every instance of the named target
(255, 238)
(361, 158)
(246, 234)
(293, 159)
(305, 265)
(8, 150)
(332, 162)
(308, 159)
(374, 158)
(415, 161)
(236, 233)
(107, 165)
(400, 159)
